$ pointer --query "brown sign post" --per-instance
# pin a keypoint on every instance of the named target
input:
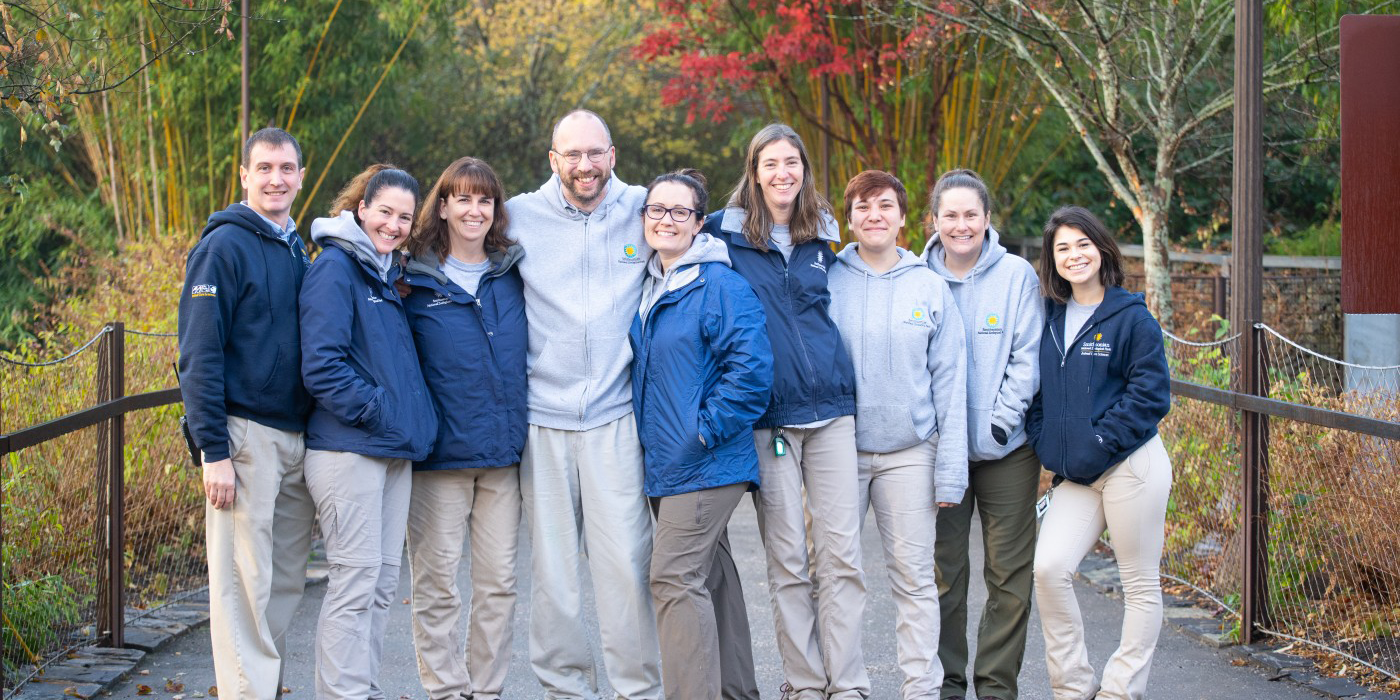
(1370, 164)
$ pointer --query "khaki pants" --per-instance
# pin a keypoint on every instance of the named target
(899, 487)
(582, 491)
(820, 644)
(1003, 493)
(688, 531)
(257, 550)
(448, 506)
(1130, 499)
(362, 503)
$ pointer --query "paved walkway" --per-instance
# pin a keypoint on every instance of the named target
(1184, 669)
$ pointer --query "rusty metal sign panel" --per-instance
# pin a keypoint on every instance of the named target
(1370, 164)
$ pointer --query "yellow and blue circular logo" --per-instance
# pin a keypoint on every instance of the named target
(629, 251)
(917, 314)
(993, 321)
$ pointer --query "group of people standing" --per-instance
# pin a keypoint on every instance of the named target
(621, 365)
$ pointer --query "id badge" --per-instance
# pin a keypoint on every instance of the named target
(1043, 505)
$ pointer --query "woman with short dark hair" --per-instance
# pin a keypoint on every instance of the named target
(1104, 388)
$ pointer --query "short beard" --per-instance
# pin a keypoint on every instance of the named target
(588, 201)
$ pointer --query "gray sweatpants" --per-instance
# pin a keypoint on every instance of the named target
(362, 503)
(820, 644)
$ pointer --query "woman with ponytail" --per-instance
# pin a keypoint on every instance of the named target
(372, 417)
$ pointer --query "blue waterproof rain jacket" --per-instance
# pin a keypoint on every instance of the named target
(813, 378)
(358, 361)
(701, 371)
(472, 352)
(1103, 392)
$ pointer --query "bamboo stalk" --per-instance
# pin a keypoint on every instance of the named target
(301, 89)
(150, 132)
(349, 130)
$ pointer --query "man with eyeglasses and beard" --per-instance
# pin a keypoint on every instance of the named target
(581, 471)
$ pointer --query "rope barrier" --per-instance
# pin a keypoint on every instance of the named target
(1177, 339)
(105, 330)
(1344, 363)
(153, 334)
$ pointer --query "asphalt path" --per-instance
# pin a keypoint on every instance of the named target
(1183, 669)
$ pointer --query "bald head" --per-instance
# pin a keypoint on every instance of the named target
(580, 123)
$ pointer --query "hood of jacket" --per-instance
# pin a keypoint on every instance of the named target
(346, 232)
(732, 220)
(704, 248)
(553, 192)
(431, 265)
(850, 255)
(1115, 300)
(992, 251)
(242, 216)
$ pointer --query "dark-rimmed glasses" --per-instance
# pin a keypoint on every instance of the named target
(679, 215)
(574, 157)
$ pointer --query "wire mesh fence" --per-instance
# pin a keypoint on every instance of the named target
(1334, 500)
(1204, 540)
(1333, 542)
(52, 527)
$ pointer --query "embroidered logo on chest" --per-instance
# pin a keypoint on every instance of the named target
(439, 300)
(918, 316)
(820, 262)
(375, 300)
(1096, 347)
(992, 324)
(630, 254)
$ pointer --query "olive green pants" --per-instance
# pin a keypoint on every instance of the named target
(1003, 493)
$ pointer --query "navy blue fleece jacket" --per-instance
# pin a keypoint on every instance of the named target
(240, 343)
(1103, 392)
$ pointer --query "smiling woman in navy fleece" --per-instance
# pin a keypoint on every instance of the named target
(1104, 387)
(467, 311)
(372, 417)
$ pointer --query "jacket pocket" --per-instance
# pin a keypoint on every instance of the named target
(1085, 457)
(885, 428)
(275, 378)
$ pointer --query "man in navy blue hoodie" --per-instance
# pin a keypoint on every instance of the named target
(240, 375)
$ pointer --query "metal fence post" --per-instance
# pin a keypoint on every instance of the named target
(1247, 304)
(111, 468)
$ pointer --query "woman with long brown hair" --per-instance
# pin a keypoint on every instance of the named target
(779, 231)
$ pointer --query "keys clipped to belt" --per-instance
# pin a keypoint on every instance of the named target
(780, 446)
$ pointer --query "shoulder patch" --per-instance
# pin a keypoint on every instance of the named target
(204, 290)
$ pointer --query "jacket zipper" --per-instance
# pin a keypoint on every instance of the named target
(1064, 392)
(801, 342)
(587, 359)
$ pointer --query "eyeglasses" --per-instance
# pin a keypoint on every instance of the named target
(678, 214)
(573, 157)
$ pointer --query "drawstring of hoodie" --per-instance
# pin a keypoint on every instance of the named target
(863, 333)
(889, 324)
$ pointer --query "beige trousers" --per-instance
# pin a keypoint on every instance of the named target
(362, 503)
(1130, 499)
(448, 507)
(257, 550)
(899, 487)
(819, 631)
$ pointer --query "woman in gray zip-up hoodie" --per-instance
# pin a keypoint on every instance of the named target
(998, 297)
(903, 332)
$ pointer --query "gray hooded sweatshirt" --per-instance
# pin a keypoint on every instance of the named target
(1002, 315)
(703, 249)
(903, 333)
(583, 280)
(344, 228)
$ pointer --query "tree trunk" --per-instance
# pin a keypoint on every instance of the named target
(1153, 219)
